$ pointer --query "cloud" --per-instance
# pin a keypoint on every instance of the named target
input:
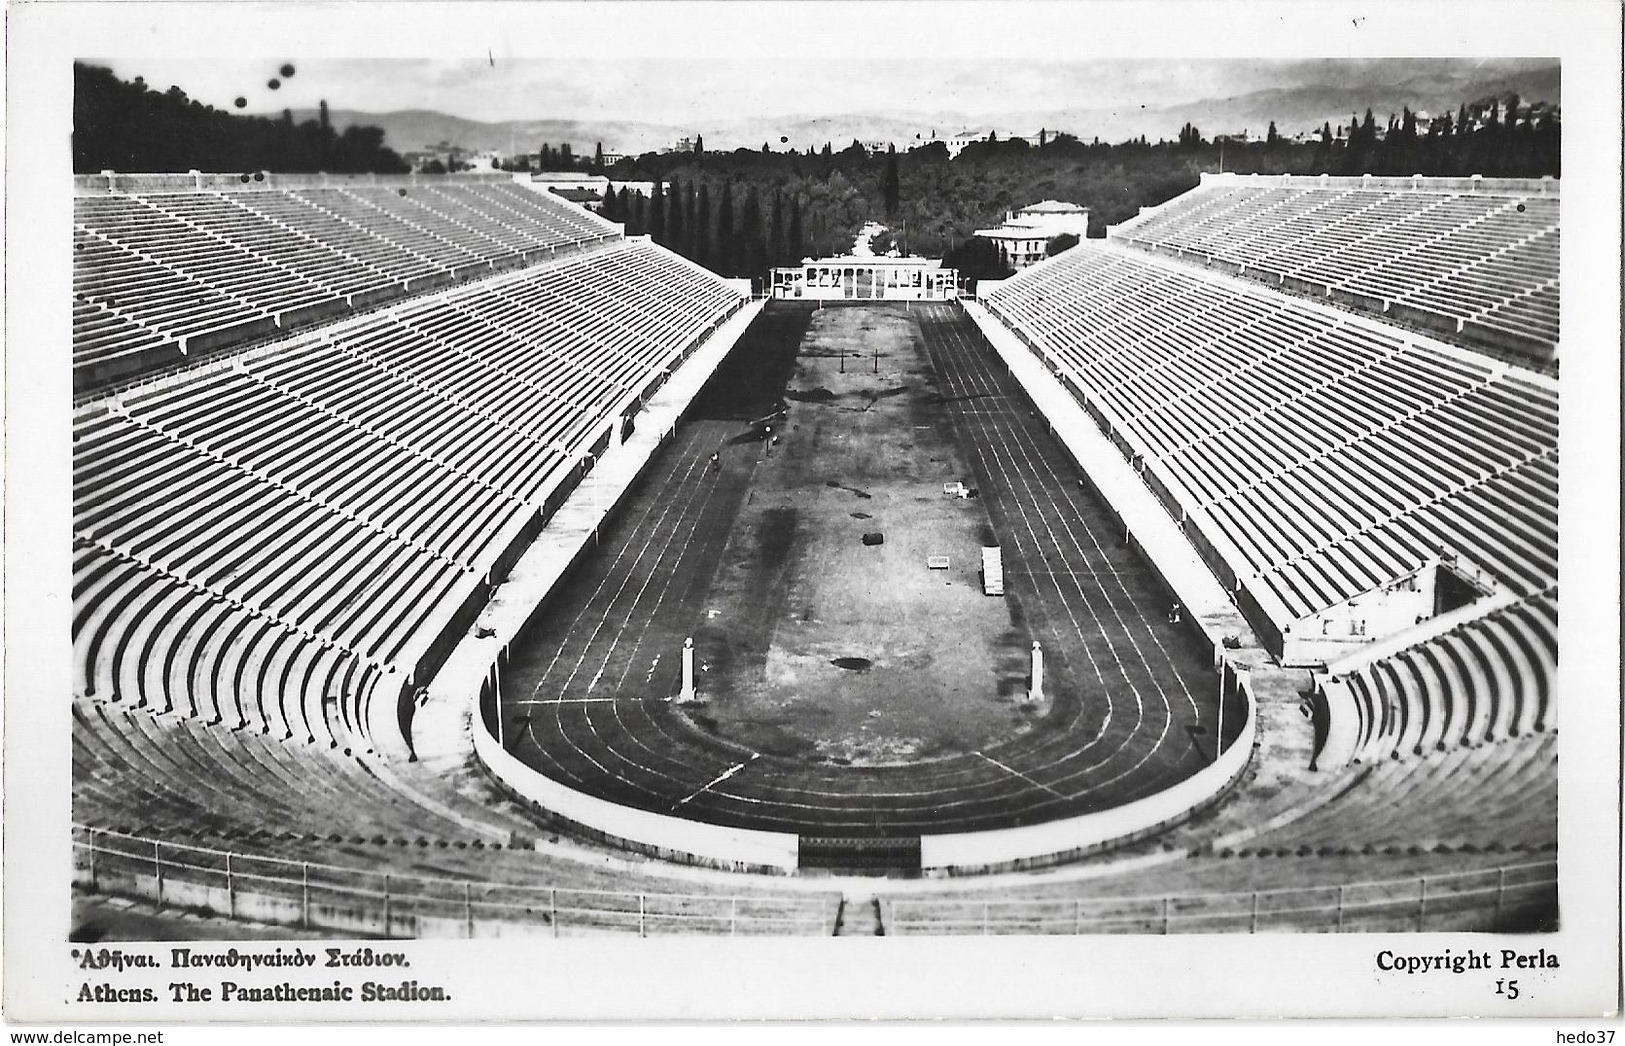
(692, 92)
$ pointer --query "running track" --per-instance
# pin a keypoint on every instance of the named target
(1133, 702)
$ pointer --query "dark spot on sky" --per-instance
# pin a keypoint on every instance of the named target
(286, 70)
(1520, 208)
(243, 178)
(273, 83)
(241, 102)
(259, 176)
(401, 192)
(783, 139)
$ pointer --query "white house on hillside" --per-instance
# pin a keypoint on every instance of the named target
(1025, 234)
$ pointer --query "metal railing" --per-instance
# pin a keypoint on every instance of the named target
(1480, 897)
(314, 895)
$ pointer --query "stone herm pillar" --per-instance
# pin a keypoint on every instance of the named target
(687, 693)
(1036, 691)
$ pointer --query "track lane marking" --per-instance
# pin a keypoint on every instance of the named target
(1018, 773)
(734, 769)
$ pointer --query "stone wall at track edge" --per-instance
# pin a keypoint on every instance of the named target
(673, 838)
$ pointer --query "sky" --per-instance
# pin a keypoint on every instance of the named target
(492, 86)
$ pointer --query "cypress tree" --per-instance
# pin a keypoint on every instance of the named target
(727, 257)
(703, 252)
(676, 232)
(775, 229)
(657, 214)
(324, 139)
(793, 238)
(892, 188)
(637, 212)
(692, 229)
(750, 236)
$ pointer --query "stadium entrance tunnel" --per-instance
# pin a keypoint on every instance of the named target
(856, 856)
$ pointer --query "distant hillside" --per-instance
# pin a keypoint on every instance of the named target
(409, 130)
(1292, 109)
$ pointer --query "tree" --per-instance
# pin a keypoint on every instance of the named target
(1273, 137)
(637, 209)
(693, 230)
(892, 190)
(1060, 243)
(775, 229)
(699, 145)
(676, 231)
(703, 251)
(750, 259)
(727, 250)
(657, 214)
(1043, 137)
(598, 158)
(793, 238)
(977, 259)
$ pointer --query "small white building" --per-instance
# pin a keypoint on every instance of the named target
(1024, 237)
(484, 161)
(956, 143)
(866, 278)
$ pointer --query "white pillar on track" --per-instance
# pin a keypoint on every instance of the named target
(1036, 691)
(687, 693)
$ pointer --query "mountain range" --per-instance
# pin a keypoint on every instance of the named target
(1292, 109)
